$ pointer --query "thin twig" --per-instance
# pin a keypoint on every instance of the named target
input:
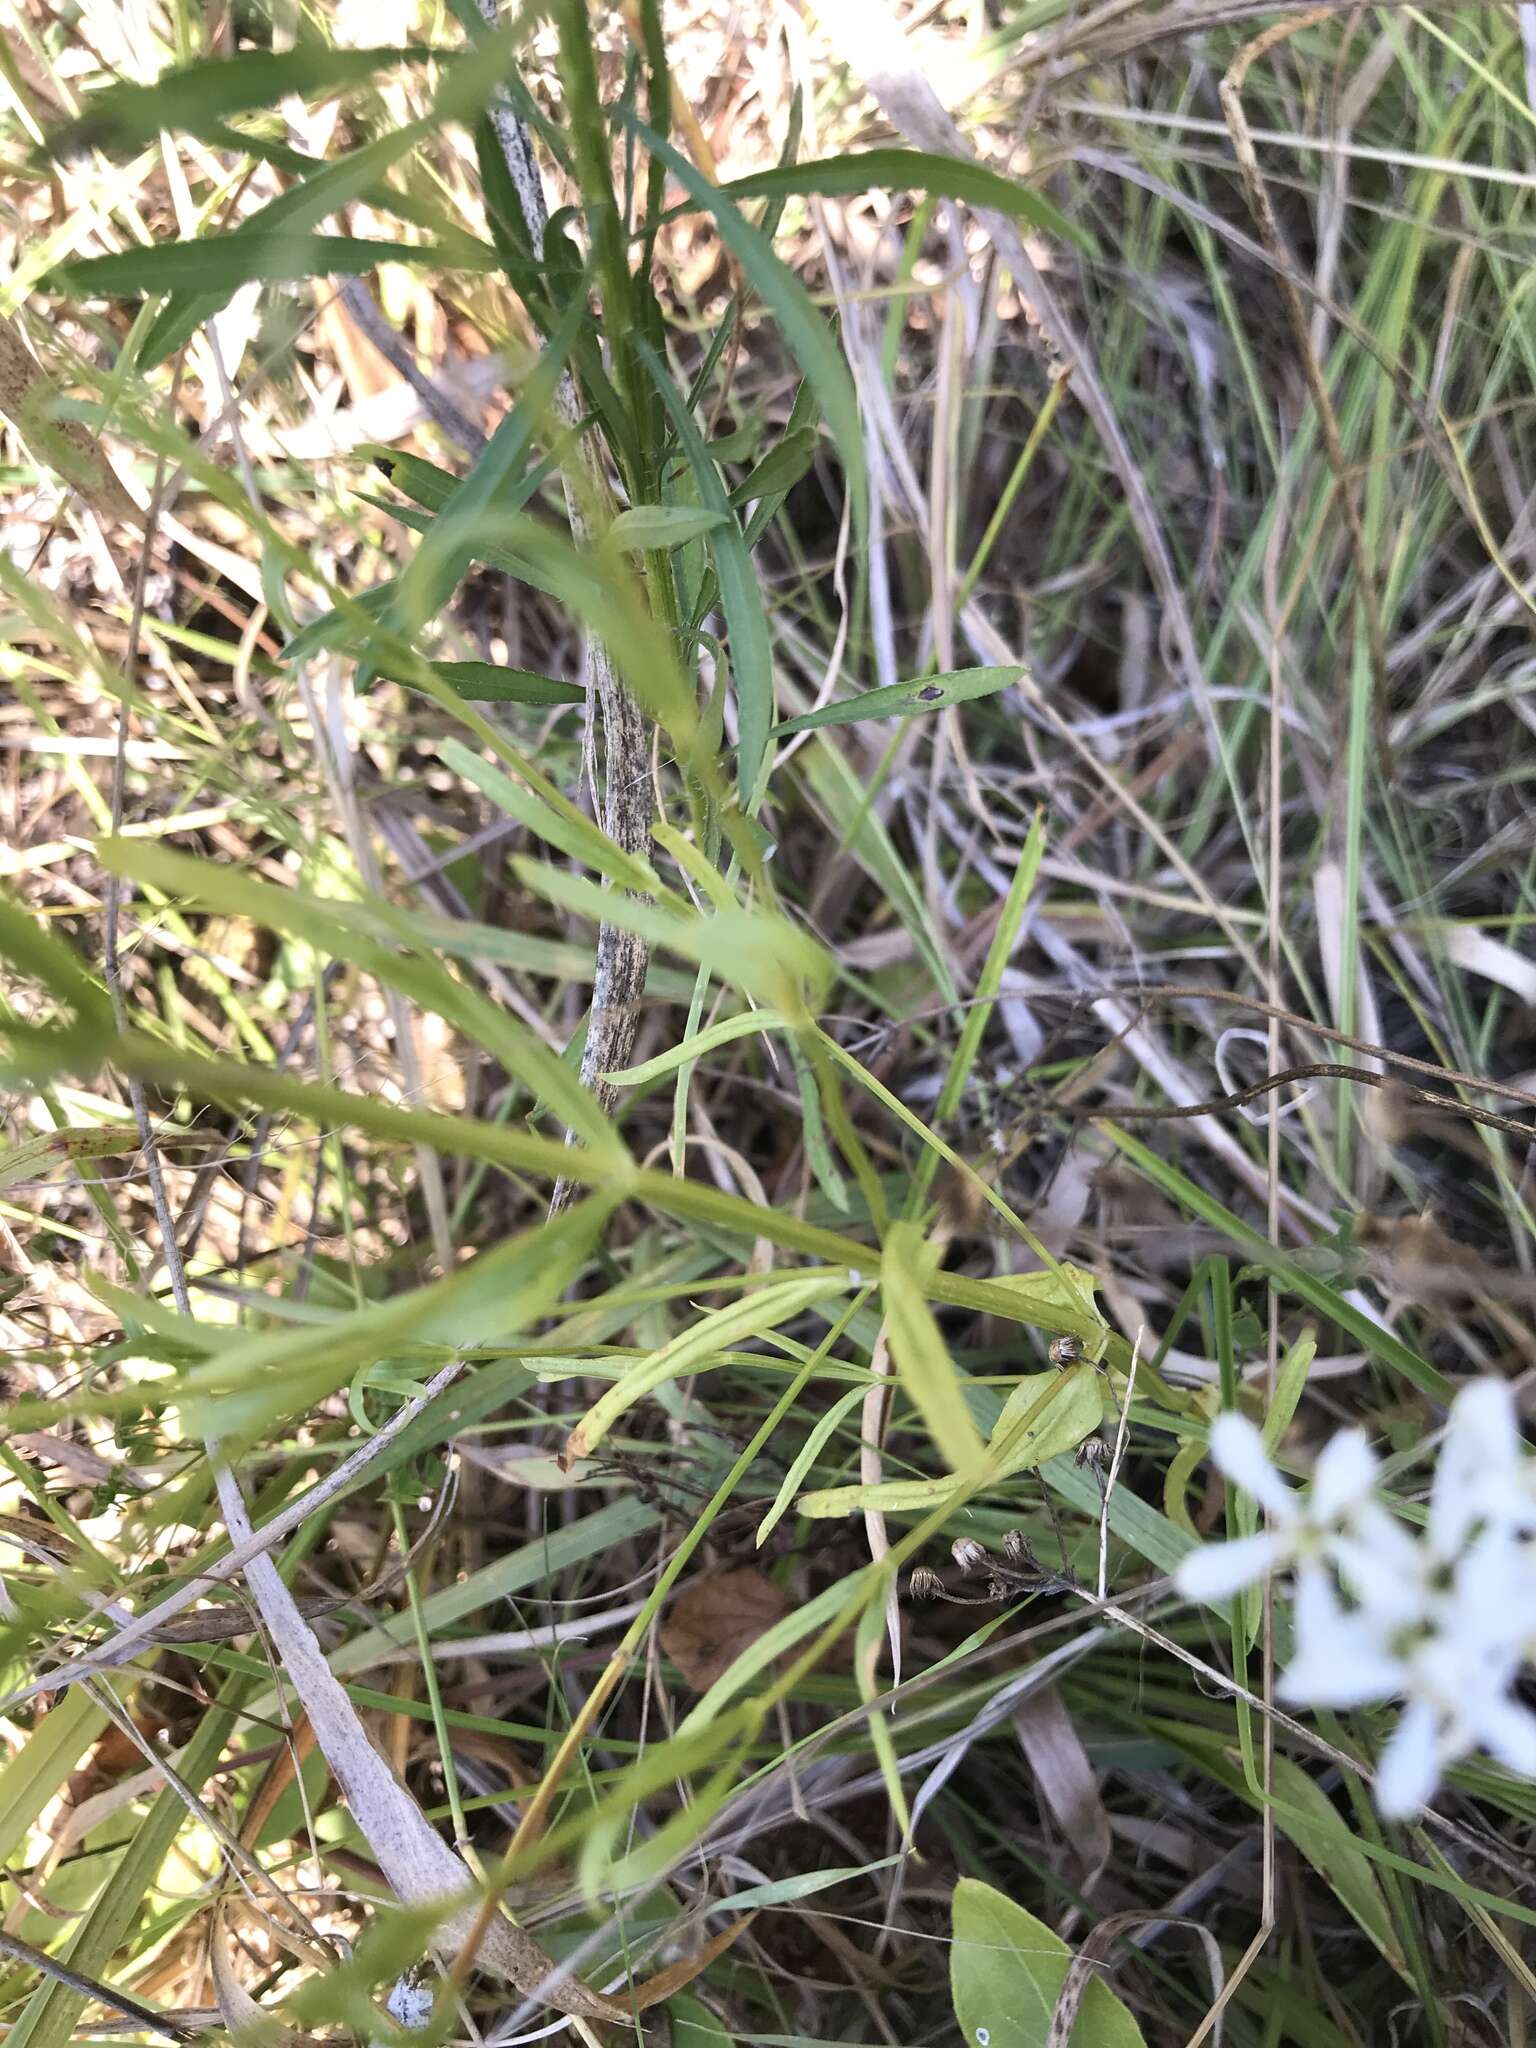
(1320, 1070)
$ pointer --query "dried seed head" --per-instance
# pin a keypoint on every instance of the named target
(1065, 1350)
(924, 1583)
(999, 1589)
(1016, 1548)
(1093, 1452)
(970, 1555)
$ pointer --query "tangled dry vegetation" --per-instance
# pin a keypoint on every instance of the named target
(741, 1588)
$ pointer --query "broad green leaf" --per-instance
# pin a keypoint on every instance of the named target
(804, 331)
(640, 529)
(894, 700)
(486, 682)
(758, 1312)
(1006, 1970)
(747, 1025)
(127, 116)
(224, 262)
(923, 1363)
(914, 170)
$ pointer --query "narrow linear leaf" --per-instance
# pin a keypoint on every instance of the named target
(922, 1358)
(747, 1025)
(224, 262)
(804, 329)
(127, 116)
(486, 682)
(896, 700)
(914, 170)
(740, 597)
(753, 1316)
(640, 529)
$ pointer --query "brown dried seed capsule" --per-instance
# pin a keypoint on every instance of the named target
(1016, 1547)
(1065, 1350)
(924, 1583)
(969, 1554)
(1093, 1451)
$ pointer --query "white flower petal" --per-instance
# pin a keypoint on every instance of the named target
(1343, 1477)
(1341, 1658)
(1409, 1769)
(1238, 1449)
(1483, 1419)
(1508, 1732)
(1323, 1678)
(1478, 1475)
(1217, 1570)
(1386, 1580)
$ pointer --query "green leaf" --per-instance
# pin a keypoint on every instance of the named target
(127, 116)
(1006, 1970)
(758, 1312)
(740, 598)
(1046, 1414)
(895, 700)
(50, 2015)
(564, 827)
(35, 1155)
(224, 262)
(642, 528)
(780, 469)
(754, 950)
(485, 682)
(447, 547)
(725, 1032)
(803, 328)
(1288, 1273)
(1308, 1817)
(914, 170)
(342, 929)
(38, 1769)
(922, 1358)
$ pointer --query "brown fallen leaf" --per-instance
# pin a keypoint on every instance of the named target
(714, 1619)
(679, 1975)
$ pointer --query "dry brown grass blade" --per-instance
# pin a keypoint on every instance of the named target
(679, 1975)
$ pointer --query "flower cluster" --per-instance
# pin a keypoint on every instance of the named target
(1443, 1620)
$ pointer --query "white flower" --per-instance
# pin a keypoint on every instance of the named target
(1454, 1661)
(1441, 1620)
(1337, 1519)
